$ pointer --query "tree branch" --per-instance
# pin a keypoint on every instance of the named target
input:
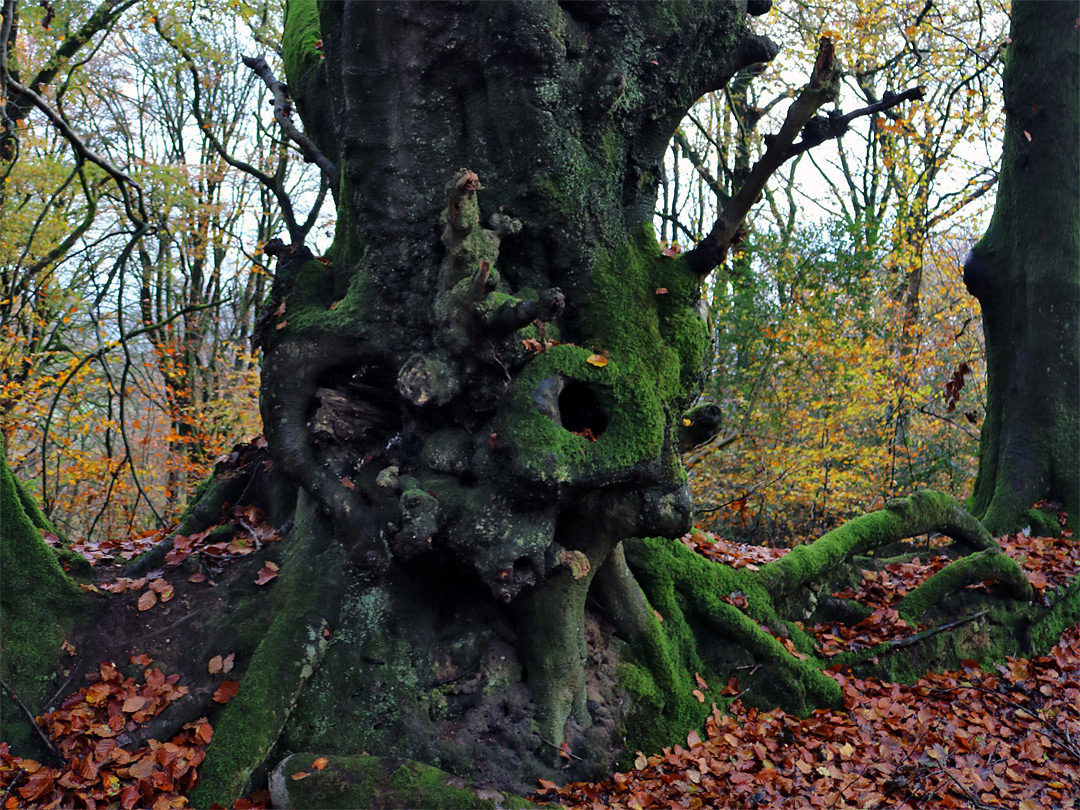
(712, 250)
(781, 147)
(283, 109)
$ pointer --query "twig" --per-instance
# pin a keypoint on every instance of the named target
(65, 685)
(49, 747)
(917, 637)
(251, 531)
(560, 749)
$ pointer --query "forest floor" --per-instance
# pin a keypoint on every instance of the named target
(1007, 737)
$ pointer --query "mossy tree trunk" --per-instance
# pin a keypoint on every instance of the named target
(1026, 274)
(482, 383)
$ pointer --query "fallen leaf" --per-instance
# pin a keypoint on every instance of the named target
(133, 704)
(281, 325)
(319, 764)
(227, 664)
(214, 666)
(661, 290)
(267, 573)
(296, 777)
(147, 600)
(226, 692)
(347, 483)
(597, 360)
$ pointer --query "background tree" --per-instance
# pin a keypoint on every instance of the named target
(1025, 272)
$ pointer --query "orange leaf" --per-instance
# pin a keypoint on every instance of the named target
(142, 660)
(133, 704)
(547, 784)
(226, 692)
(334, 305)
(215, 665)
(661, 290)
(597, 360)
(280, 310)
(266, 573)
(281, 325)
(347, 483)
(319, 764)
(147, 600)
(300, 775)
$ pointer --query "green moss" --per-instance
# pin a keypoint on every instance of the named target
(920, 513)
(361, 782)
(39, 603)
(300, 33)
(975, 568)
(546, 451)
(1064, 613)
(655, 334)
(252, 721)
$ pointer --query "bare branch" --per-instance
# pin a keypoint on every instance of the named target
(712, 250)
(283, 109)
(781, 147)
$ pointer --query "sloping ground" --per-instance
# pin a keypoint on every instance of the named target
(965, 739)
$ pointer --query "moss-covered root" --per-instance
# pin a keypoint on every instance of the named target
(551, 626)
(38, 601)
(1064, 612)
(307, 592)
(989, 565)
(360, 782)
(920, 513)
(694, 587)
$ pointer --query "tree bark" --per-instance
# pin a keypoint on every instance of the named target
(1025, 271)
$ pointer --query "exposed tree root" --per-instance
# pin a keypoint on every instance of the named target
(989, 565)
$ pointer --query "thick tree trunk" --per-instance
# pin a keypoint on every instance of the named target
(1026, 274)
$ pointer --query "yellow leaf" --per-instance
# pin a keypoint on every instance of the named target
(597, 360)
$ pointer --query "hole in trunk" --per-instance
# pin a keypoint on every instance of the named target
(580, 410)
